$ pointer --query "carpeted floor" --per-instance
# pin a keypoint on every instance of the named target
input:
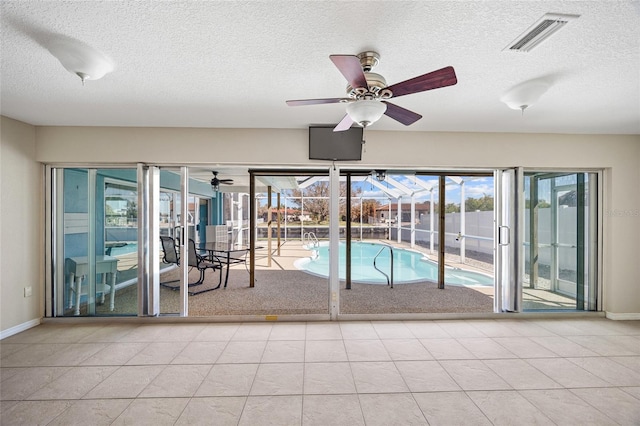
(281, 289)
(296, 292)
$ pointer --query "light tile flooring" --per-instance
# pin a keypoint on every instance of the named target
(449, 372)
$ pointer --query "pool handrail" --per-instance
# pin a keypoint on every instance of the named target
(389, 280)
(310, 239)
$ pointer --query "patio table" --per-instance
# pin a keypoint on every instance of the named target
(77, 269)
(228, 254)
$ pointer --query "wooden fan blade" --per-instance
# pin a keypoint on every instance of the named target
(434, 80)
(302, 102)
(344, 124)
(226, 181)
(350, 67)
(400, 114)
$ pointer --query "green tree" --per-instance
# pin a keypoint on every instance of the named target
(484, 203)
(452, 208)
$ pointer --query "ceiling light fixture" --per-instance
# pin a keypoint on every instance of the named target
(366, 111)
(525, 94)
(541, 30)
(380, 175)
(80, 59)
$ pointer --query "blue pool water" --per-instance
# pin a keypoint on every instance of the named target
(408, 266)
(126, 249)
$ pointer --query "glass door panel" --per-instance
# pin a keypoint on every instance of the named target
(96, 242)
(290, 268)
(369, 234)
(469, 236)
(560, 241)
(172, 231)
(407, 218)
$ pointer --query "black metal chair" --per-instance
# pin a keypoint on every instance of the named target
(169, 249)
(202, 263)
(169, 256)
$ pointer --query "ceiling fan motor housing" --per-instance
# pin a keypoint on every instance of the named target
(368, 60)
(375, 81)
(376, 91)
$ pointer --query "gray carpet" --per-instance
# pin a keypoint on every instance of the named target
(296, 292)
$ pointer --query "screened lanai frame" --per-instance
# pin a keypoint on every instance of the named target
(392, 194)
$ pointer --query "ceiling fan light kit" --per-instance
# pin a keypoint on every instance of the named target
(366, 111)
(524, 95)
(367, 92)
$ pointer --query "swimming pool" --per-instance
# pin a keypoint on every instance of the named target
(127, 248)
(408, 266)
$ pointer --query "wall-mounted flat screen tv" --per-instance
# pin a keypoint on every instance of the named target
(325, 144)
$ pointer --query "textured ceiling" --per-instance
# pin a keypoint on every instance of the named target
(233, 64)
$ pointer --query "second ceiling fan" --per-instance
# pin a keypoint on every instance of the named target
(215, 182)
(367, 92)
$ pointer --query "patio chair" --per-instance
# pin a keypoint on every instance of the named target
(195, 260)
(170, 255)
(170, 251)
(203, 263)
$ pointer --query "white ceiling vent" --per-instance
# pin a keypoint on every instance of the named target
(539, 32)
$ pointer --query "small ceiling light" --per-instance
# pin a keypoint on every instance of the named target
(525, 94)
(366, 111)
(380, 175)
(79, 58)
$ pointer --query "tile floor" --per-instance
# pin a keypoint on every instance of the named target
(450, 372)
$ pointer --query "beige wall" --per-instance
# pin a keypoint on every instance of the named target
(21, 232)
(24, 146)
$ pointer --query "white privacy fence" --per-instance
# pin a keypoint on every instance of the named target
(478, 234)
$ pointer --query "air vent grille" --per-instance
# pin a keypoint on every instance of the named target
(540, 31)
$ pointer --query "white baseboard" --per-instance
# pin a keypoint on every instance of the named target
(19, 328)
(623, 316)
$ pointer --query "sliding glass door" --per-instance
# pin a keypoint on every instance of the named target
(95, 244)
(560, 240)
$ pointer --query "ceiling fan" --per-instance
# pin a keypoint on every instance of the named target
(367, 92)
(215, 182)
